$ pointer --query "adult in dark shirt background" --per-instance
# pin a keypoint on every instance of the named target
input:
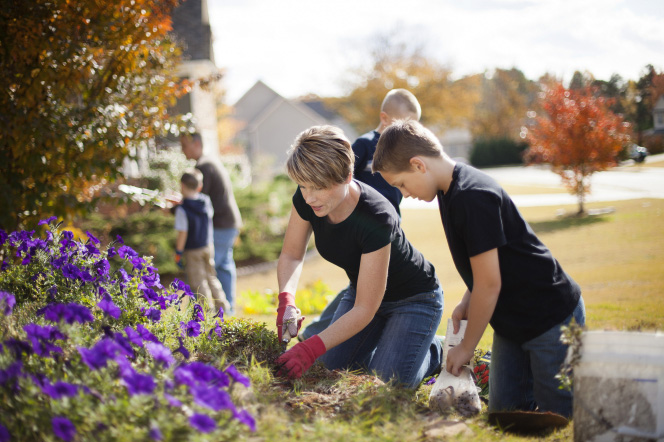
(227, 219)
(398, 104)
(387, 319)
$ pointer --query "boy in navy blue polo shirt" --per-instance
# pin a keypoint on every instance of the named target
(194, 241)
(514, 283)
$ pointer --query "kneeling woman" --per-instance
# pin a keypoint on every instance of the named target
(387, 319)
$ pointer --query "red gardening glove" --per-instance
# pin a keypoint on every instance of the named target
(289, 320)
(298, 359)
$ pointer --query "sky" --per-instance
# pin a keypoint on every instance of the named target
(299, 47)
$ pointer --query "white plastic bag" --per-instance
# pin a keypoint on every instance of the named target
(451, 392)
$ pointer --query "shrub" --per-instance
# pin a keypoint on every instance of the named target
(85, 353)
(497, 152)
(265, 209)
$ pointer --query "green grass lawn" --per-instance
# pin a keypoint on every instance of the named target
(617, 258)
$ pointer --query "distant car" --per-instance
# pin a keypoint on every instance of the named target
(638, 153)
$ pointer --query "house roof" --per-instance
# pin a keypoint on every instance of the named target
(260, 101)
(660, 104)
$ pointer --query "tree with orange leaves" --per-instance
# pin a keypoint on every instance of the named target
(84, 83)
(578, 135)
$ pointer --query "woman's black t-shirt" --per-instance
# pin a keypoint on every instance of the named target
(536, 293)
(373, 224)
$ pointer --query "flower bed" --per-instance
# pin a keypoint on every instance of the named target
(93, 346)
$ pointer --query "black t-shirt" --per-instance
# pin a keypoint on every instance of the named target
(372, 225)
(478, 216)
(364, 149)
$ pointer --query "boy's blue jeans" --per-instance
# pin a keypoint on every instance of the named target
(224, 263)
(522, 377)
(399, 343)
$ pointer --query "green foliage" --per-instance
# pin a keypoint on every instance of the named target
(86, 83)
(311, 299)
(497, 152)
(265, 211)
(150, 233)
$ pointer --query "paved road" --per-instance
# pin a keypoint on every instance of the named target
(619, 183)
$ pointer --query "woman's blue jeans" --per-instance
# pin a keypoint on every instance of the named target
(399, 343)
(522, 377)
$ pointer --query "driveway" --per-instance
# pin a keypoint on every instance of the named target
(619, 183)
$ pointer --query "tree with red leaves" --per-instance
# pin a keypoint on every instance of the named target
(578, 135)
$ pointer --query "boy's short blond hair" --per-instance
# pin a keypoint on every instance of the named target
(320, 155)
(400, 142)
(401, 104)
(192, 179)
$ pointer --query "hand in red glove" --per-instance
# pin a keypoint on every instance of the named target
(298, 359)
(288, 317)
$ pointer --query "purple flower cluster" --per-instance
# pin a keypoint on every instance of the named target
(70, 313)
(7, 303)
(74, 266)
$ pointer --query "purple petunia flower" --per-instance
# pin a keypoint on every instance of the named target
(97, 356)
(145, 333)
(160, 353)
(155, 433)
(220, 314)
(172, 401)
(70, 271)
(245, 418)
(182, 349)
(123, 342)
(42, 337)
(126, 251)
(111, 252)
(63, 428)
(198, 313)
(124, 276)
(91, 250)
(60, 389)
(431, 381)
(137, 262)
(152, 313)
(138, 383)
(14, 371)
(108, 307)
(202, 422)
(133, 336)
(92, 238)
(119, 239)
(191, 328)
(18, 347)
(151, 280)
(70, 313)
(4, 432)
(216, 329)
(149, 294)
(197, 373)
(7, 303)
(47, 220)
(212, 398)
(3, 237)
(102, 267)
(236, 375)
(179, 285)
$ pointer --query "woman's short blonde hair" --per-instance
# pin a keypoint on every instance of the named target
(320, 155)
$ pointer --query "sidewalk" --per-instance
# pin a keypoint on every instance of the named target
(620, 183)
